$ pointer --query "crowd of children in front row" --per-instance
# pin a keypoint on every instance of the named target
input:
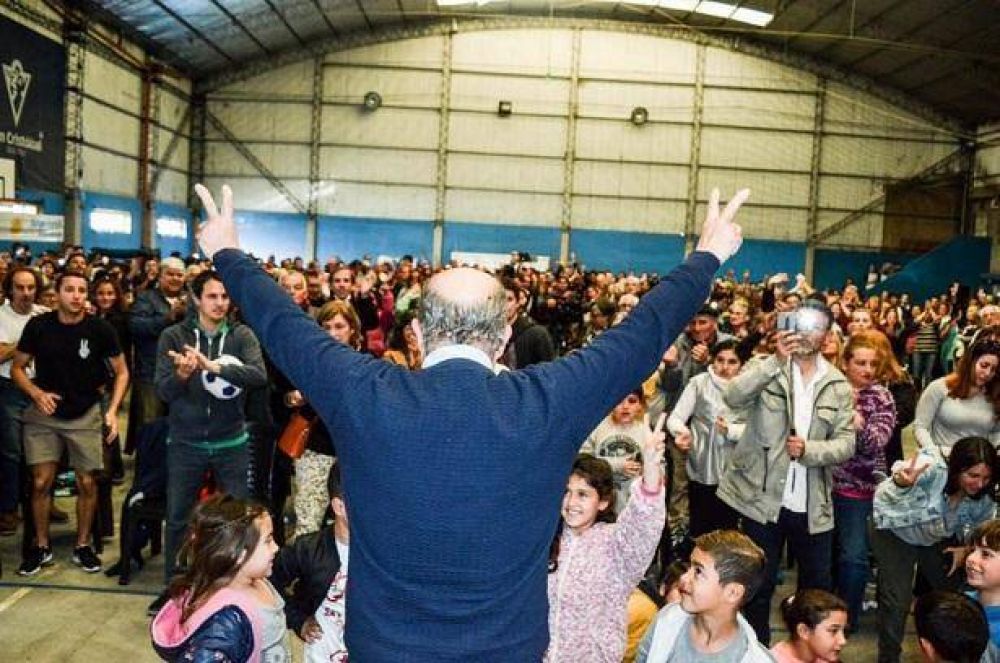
(239, 592)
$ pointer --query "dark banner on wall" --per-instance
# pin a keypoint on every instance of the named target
(33, 79)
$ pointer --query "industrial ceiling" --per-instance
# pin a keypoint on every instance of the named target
(944, 54)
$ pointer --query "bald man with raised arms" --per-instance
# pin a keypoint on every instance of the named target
(454, 474)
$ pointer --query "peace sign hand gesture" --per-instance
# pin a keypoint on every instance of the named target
(907, 475)
(653, 448)
(719, 235)
(219, 229)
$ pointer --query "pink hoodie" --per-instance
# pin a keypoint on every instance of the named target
(169, 631)
(598, 569)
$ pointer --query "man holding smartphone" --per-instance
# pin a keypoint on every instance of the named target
(799, 426)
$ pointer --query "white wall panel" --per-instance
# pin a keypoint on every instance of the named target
(390, 202)
(258, 194)
(654, 216)
(896, 158)
(292, 79)
(523, 209)
(724, 67)
(603, 139)
(180, 156)
(286, 161)
(483, 92)
(866, 231)
(351, 83)
(522, 51)
(358, 163)
(668, 103)
(112, 83)
(516, 173)
(854, 111)
(765, 110)
(630, 57)
(847, 192)
(423, 52)
(389, 127)
(765, 188)
(110, 128)
(540, 136)
(630, 180)
(264, 121)
(173, 187)
(788, 225)
(739, 148)
(109, 173)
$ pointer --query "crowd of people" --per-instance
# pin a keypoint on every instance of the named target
(699, 425)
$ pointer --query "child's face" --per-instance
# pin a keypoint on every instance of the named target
(629, 410)
(828, 638)
(700, 588)
(581, 504)
(258, 565)
(982, 567)
(726, 364)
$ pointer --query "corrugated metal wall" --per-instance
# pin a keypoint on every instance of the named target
(567, 161)
(109, 171)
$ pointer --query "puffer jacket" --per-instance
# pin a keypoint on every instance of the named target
(195, 414)
(758, 465)
(588, 592)
(224, 629)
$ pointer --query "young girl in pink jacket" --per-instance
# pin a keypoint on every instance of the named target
(596, 561)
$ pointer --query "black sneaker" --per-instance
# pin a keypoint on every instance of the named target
(36, 559)
(84, 557)
(154, 608)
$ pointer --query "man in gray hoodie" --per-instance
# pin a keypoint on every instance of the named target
(204, 366)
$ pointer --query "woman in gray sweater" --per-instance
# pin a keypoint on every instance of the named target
(965, 403)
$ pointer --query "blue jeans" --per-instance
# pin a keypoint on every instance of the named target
(812, 553)
(923, 367)
(186, 467)
(853, 548)
(12, 402)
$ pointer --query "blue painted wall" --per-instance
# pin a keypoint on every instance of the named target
(272, 233)
(626, 251)
(489, 238)
(95, 240)
(353, 237)
(834, 267)
(167, 245)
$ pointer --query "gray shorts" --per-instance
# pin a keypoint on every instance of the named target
(45, 438)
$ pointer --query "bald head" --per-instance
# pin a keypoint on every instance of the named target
(463, 306)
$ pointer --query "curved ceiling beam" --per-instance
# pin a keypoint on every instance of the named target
(446, 25)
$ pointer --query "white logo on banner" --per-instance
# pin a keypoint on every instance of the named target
(18, 81)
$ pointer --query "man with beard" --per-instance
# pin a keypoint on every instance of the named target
(799, 426)
(204, 367)
(21, 288)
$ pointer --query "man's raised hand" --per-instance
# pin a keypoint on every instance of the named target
(719, 235)
(219, 228)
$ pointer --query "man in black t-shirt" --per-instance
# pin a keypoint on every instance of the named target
(73, 353)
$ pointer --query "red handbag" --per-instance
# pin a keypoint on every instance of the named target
(294, 438)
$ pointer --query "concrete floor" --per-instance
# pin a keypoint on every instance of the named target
(65, 614)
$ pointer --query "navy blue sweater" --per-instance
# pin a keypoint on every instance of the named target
(454, 475)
